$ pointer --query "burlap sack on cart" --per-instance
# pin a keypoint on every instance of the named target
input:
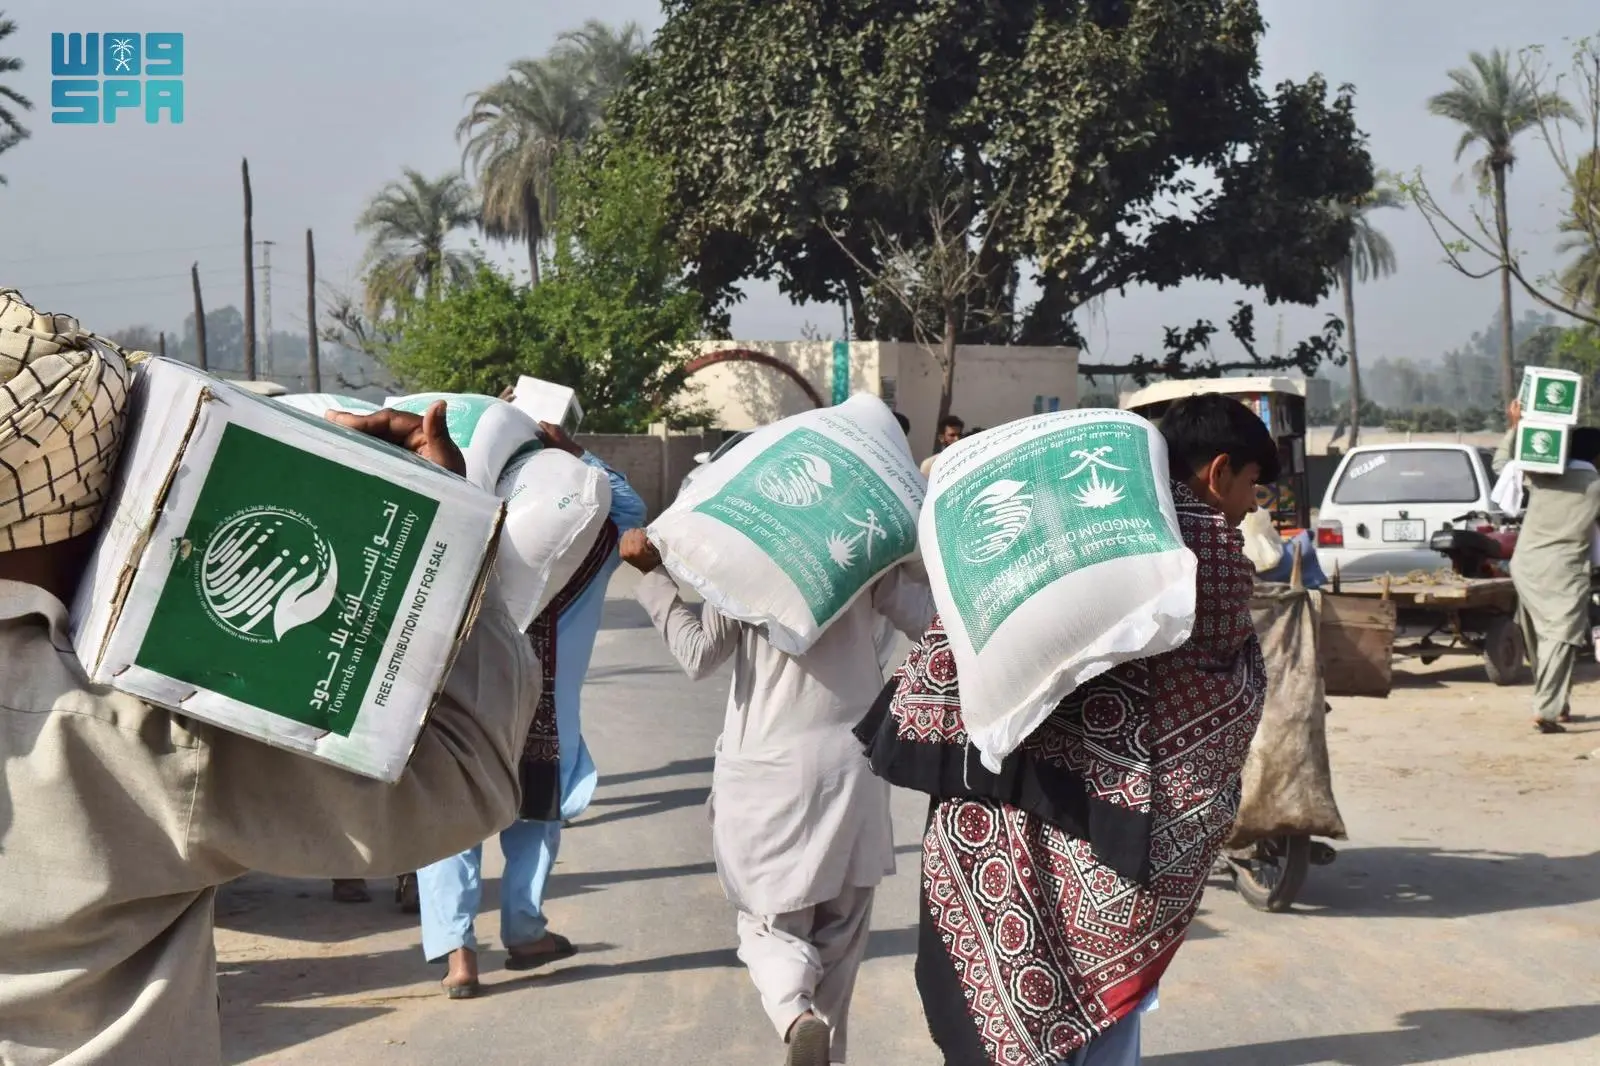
(1288, 784)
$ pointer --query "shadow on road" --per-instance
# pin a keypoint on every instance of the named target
(1423, 1037)
(566, 885)
(296, 909)
(1432, 883)
(675, 768)
(644, 804)
(257, 1022)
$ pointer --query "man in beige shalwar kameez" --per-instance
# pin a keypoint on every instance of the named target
(1550, 568)
(800, 825)
(118, 820)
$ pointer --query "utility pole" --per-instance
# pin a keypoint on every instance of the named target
(266, 307)
(249, 280)
(311, 314)
(199, 319)
(161, 344)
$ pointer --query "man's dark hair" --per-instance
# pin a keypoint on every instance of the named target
(905, 423)
(1197, 429)
(976, 430)
(951, 422)
(1585, 446)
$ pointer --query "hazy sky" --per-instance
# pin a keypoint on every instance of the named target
(329, 100)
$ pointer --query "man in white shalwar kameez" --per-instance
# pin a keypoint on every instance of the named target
(800, 825)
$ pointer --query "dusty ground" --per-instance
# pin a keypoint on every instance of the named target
(1460, 923)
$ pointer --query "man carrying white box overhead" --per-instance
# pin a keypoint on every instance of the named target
(118, 820)
(1550, 567)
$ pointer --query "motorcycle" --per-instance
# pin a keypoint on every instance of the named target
(1477, 544)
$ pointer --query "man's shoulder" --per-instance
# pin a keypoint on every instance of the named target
(39, 679)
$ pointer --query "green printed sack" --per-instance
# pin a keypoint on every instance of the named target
(1054, 554)
(789, 527)
(488, 431)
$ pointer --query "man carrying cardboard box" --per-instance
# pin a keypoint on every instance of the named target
(1550, 568)
(118, 820)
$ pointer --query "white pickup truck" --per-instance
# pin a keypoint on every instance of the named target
(1386, 500)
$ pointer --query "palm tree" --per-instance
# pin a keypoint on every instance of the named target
(1580, 280)
(11, 128)
(409, 223)
(607, 55)
(1493, 104)
(515, 133)
(1370, 256)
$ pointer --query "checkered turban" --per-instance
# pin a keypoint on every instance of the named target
(63, 392)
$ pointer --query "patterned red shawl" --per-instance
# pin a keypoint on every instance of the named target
(540, 769)
(1056, 892)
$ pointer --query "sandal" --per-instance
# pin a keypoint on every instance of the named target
(1547, 727)
(532, 960)
(405, 894)
(469, 990)
(351, 890)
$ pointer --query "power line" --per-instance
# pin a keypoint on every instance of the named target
(212, 272)
(109, 255)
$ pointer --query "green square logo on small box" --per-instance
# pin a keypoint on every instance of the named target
(1552, 395)
(284, 593)
(1541, 447)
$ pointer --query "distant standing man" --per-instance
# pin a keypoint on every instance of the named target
(950, 431)
(563, 639)
(1550, 568)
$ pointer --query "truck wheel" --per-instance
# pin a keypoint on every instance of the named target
(1503, 652)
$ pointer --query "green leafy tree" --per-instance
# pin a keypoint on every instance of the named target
(409, 224)
(1113, 144)
(12, 132)
(476, 337)
(1370, 256)
(611, 318)
(1494, 103)
(616, 311)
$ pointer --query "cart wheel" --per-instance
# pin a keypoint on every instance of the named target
(1272, 878)
(1503, 651)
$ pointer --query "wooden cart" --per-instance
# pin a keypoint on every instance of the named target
(1441, 613)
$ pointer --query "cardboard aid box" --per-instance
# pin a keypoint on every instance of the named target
(1551, 395)
(273, 574)
(549, 402)
(1541, 447)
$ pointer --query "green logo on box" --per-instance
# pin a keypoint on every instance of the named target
(1055, 504)
(288, 581)
(821, 513)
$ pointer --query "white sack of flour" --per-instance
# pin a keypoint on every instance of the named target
(788, 528)
(1054, 554)
(555, 507)
(488, 431)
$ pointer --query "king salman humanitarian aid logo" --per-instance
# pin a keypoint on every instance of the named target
(994, 520)
(265, 572)
(1542, 442)
(798, 480)
(1555, 393)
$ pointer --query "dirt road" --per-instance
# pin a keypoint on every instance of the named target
(1460, 924)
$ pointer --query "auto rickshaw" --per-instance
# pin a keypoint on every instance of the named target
(1281, 405)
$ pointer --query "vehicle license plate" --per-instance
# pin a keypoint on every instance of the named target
(1403, 529)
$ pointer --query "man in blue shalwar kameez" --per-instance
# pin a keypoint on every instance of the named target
(451, 890)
